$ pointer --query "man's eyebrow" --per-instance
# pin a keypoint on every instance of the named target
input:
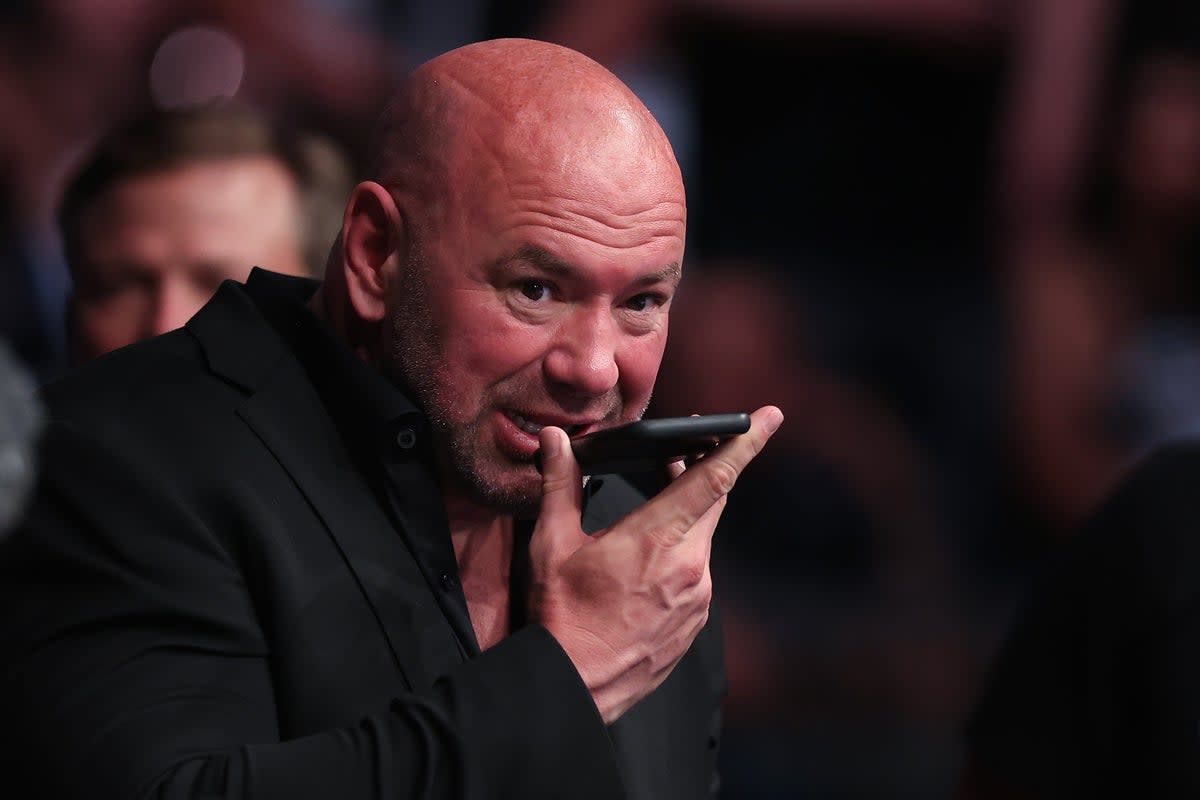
(551, 264)
(543, 260)
(670, 273)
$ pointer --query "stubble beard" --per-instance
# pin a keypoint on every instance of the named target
(461, 449)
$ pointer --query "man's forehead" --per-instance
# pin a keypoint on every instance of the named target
(568, 139)
(203, 191)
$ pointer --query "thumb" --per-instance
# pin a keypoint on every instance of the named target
(558, 532)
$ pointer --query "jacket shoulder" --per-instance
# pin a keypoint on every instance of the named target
(117, 384)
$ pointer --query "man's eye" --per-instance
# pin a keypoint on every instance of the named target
(644, 302)
(535, 290)
(99, 290)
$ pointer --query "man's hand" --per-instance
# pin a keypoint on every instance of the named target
(626, 603)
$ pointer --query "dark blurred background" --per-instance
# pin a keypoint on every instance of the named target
(955, 240)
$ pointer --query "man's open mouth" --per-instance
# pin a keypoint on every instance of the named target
(534, 428)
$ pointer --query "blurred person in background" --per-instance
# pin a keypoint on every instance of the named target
(843, 624)
(71, 71)
(1094, 692)
(169, 206)
(736, 309)
(1107, 307)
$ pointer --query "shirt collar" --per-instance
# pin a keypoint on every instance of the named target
(353, 389)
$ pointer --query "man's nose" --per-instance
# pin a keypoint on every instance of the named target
(175, 301)
(582, 358)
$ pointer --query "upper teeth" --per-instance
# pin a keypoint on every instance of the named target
(526, 425)
(534, 428)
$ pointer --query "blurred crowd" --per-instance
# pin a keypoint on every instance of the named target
(956, 241)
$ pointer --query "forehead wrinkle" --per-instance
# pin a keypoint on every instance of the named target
(548, 262)
(596, 233)
(593, 223)
(616, 218)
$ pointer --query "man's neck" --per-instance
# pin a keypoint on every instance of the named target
(469, 520)
(483, 544)
(326, 308)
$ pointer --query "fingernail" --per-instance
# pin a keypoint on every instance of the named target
(773, 421)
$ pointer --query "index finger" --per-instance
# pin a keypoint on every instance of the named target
(677, 508)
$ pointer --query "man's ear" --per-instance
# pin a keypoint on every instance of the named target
(373, 245)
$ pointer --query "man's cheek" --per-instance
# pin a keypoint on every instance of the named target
(502, 350)
(640, 364)
(104, 330)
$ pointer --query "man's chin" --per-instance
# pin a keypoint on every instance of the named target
(518, 502)
(518, 491)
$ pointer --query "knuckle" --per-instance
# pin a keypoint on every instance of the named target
(674, 649)
(555, 483)
(705, 587)
(693, 571)
(721, 476)
(758, 442)
(663, 538)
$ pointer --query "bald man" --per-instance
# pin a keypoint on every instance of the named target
(300, 548)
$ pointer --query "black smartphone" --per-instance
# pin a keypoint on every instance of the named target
(650, 443)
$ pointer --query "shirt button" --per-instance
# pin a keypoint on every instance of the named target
(449, 582)
(406, 438)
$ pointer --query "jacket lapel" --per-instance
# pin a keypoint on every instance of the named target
(287, 415)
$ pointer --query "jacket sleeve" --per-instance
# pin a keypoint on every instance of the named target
(133, 665)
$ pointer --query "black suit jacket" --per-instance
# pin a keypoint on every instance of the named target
(208, 599)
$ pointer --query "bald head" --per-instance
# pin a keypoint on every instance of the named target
(512, 261)
(463, 116)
